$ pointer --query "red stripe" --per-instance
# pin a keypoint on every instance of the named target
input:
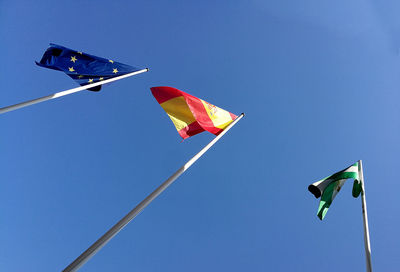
(200, 113)
(192, 129)
(163, 93)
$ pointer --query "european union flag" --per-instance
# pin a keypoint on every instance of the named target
(82, 67)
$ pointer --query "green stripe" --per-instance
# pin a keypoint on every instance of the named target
(326, 199)
(357, 188)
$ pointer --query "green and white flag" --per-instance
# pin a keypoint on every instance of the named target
(328, 187)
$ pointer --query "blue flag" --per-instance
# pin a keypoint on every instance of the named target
(81, 67)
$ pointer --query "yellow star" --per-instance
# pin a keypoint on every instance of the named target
(115, 70)
(90, 80)
(80, 76)
(71, 69)
(79, 52)
(73, 59)
(111, 61)
(101, 78)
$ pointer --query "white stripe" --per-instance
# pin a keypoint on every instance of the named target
(339, 185)
(351, 169)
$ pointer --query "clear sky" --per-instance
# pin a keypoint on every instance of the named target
(319, 83)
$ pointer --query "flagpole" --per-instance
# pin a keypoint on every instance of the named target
(103, 240)
(70, 91)
(365, 219)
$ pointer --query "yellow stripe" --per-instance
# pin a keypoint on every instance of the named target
(179, 112)
(220, 118)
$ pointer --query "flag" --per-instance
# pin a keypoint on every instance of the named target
(81, 67)
(328, 187)
(190, 114)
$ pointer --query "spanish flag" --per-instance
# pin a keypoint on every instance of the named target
(190, 114)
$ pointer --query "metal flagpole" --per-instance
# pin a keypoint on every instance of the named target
(70, 91)
(103, 240)
(365, 219)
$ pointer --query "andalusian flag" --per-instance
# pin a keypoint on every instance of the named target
(328, 187)
(190, 114)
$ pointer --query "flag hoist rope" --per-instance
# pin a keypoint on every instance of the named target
(365, 220)
(70, 91)
(92, 250)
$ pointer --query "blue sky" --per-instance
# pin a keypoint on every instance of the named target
(318, 81)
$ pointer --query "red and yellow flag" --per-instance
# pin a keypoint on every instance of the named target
(190, 114)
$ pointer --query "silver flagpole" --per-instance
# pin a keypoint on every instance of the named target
(70, 91)
(365, 219)
(103, 240)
